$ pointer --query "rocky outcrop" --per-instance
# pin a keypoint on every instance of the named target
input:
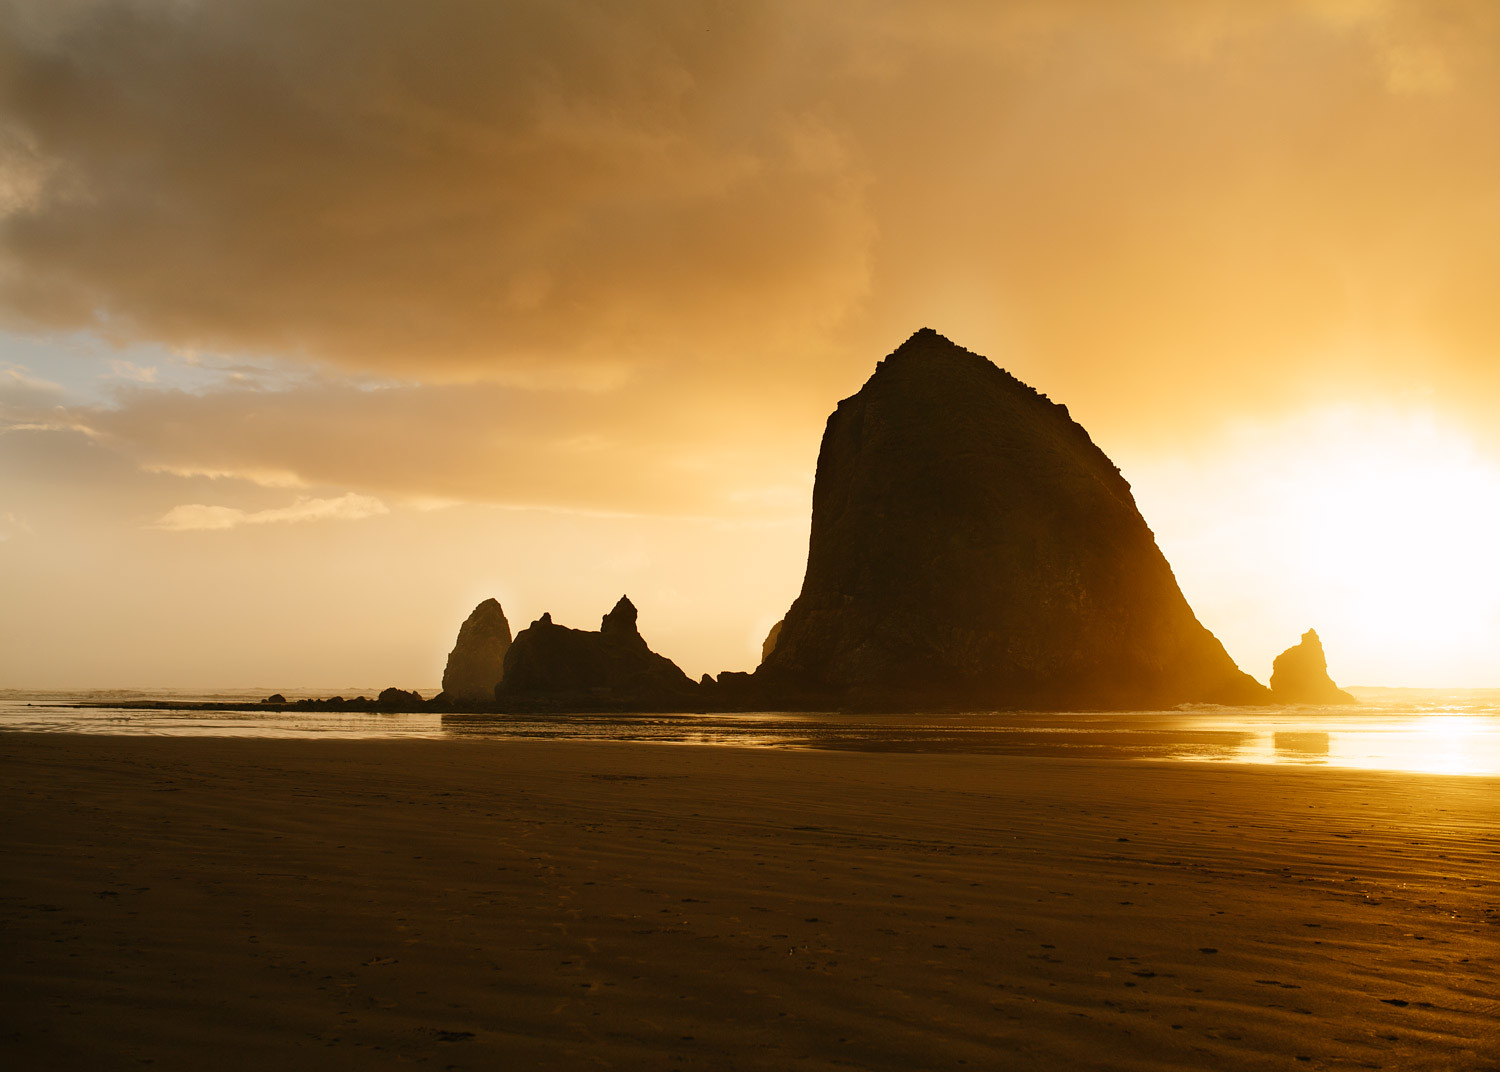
(394, 699)
(1300, 675)
(477, 661)
(769, 645)
(972, 548)
(552, 667)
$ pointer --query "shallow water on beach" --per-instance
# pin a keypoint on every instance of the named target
(1446, 732)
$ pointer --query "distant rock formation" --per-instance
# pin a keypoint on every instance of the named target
(394, 699)
(973, 549)
(1300, 675)
(552, 667)
(477, 661)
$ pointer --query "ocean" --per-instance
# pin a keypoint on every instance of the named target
(1431, 731)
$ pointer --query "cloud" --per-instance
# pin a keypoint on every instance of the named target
(128, 370)
(196, 517)
(730, 456)
(525, 190)
(19, 388)
(29, 403)
(10, 524)
(655, 243)
(266, 478)
(570, 192)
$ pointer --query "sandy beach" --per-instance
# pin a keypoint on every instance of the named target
(234, 903)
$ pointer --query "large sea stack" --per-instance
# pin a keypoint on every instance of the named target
(477, 661)
(1300, 675)
(552, 667)
(973, 549)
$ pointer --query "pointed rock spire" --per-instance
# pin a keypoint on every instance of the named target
(1300, 675)
(621, 619)
(477, 661)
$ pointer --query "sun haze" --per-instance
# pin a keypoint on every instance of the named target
(320, 323)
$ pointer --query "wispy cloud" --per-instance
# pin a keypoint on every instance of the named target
(15, 379)
(28, 403)
(266, 478)
(129, 370)
(197, 517)
(10, 524)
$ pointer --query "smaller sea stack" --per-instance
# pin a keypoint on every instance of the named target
(1300, 675)
(477, 661)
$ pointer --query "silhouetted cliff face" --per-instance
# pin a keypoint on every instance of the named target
(552, 667)
(477, 661)
(1300, 675)
(769, 644)
(971, 547)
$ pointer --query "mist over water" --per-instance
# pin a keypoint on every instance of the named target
(1431, 731)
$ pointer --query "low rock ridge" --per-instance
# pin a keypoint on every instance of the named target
(553, 667)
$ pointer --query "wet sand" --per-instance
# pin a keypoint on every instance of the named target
(243, 903)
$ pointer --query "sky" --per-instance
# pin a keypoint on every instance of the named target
(320, 323)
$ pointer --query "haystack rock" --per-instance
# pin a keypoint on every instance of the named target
(552, 667)
(973, 549)
(477, 661)
(1300, 675)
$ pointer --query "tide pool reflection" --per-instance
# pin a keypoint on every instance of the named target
(1294, 745)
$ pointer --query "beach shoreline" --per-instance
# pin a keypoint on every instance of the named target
(179, 902)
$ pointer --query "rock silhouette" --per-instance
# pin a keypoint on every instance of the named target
(477, 661)
(1300, 675)
(394, 699)
(769, 644)
(552, 667)
(972, 548)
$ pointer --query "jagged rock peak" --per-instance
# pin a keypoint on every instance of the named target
(621, 619)
(477, 661)
(1300, 675)
(553, 667)
(931, 349)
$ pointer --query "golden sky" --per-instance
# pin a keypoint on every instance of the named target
(321, 322)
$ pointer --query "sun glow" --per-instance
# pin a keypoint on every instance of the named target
(1377, 527)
